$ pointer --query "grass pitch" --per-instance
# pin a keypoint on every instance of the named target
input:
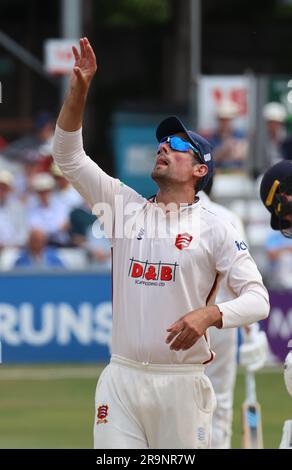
(53, 406)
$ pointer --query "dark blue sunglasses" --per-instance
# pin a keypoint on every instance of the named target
(179, 144)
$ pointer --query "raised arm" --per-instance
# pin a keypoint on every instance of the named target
(71, 115)
(86, 176)
(94, 185)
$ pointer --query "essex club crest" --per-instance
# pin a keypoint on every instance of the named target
(102, 413)
(183, 240)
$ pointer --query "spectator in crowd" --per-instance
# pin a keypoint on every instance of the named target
(81, 221)
(40, 140)
(26, 170)
(66, 194)
(229, 144)
(46, 212)
(98, 247)
(276, 142)
(13, 226)
(86, 232)
(279, 252)
(37, 254)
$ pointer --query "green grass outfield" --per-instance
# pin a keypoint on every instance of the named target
(52, 406)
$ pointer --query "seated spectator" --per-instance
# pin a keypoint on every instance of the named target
(37, 254)
(65, 193)
(86, 232)
(29, 167)
(47, 213)
(98, 248)
(81, 220)
(275, 116)
(13, 225)
(230, 145)
(39, 141)
(279, 252)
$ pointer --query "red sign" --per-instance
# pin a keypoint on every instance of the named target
(59, 58)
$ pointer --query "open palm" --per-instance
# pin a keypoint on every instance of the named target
(85, 65)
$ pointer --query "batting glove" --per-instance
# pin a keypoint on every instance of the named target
(253, 352)
(288, 372)
(286, 441)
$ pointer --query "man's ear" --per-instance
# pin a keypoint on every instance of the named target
(200, 170)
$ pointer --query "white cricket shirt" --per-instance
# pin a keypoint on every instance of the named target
(158, 280)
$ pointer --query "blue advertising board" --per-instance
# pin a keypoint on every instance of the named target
(49, 317)
(67, 317)
(278, 325)
(134, 147)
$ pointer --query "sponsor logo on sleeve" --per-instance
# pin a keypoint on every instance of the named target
(141, 234)
(241, 246)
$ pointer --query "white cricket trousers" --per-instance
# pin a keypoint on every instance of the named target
(222, 373)
(153, 406)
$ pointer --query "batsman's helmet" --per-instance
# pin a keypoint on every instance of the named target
(276, 194)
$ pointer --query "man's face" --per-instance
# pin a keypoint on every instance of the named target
(274, 128)
(174, 166)
(287, 198)
(224, 124)
(44, 197)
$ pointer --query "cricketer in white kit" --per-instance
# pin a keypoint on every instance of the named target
(276, 195)
(222, 371)
(167, 262)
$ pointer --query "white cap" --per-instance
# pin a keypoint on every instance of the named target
(6, 177)
(274, 112)
(227, 110)
(42, 182)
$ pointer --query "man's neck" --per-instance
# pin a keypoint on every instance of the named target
(174, 196)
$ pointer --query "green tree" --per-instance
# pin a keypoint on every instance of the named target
(132, 13)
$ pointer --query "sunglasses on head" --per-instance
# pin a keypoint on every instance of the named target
(180, 145)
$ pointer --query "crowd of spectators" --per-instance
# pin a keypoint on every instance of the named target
(40, 212)
(231, 144)
(231, 151)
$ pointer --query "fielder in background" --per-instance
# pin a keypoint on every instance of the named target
(276, 194)
(253, 350)
(168, 256)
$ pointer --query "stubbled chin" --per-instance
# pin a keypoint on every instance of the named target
(158, 173)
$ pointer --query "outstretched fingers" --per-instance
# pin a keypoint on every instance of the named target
(76, 54)
(90, 52)
(82, 48)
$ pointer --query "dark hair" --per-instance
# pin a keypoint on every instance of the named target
(207, 187)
